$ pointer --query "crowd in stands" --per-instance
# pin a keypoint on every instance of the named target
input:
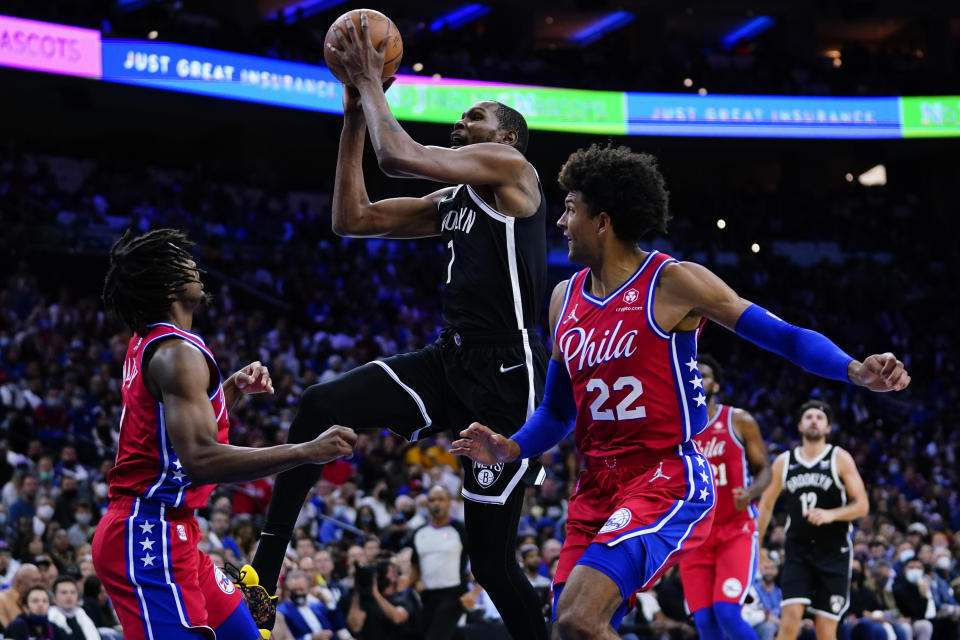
(654, 53)
(311, 305)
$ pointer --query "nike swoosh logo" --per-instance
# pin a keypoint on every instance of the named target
(505, 369)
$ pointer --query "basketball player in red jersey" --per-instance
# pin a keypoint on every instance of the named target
(624, 374)
(717, 575)
(173, 449)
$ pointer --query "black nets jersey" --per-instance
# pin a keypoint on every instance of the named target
(495, 266)
(814, 484)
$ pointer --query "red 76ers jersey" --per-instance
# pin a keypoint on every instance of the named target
(720, 445)
(147, 465)
(637, 387)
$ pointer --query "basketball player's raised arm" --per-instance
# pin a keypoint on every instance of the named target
(757, 457)
(551, 422)
(178, 375)
(858, 505)
(688, 291)
(769, 497)
(353, 213)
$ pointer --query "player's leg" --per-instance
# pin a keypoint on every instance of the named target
(491, 546)
(826, 627)
(399, 393)
(227, 613)
(698, 574)
(588, 602)
(831, 598)
(791, 615)
(736, 567)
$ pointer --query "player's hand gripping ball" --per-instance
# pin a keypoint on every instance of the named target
(382, 32)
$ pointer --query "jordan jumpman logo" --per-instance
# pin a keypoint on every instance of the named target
(659, 474)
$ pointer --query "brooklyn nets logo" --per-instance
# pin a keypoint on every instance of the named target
(836, 603)
(487, 474)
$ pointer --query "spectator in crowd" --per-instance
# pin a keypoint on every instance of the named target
(530, 559)
(769, 596)
(98, 608)
(26, 577)
(8, 566)
(306, 620)
(378, 610)
(439, 566)
(81, 531)
(863, 620)
(218, 533)
(67, 613)
(914, 598)
(26, 502)
(33, 623)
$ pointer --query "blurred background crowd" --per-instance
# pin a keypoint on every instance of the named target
(784, 222)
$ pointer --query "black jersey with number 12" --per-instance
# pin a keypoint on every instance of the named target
(495, 266)
(814, 484)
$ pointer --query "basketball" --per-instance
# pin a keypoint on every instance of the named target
(381, 27)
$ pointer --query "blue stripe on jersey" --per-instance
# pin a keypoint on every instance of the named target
(687, 383)
(171, 481)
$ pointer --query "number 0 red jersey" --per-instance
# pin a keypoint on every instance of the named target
(721, 446)
(147, 465)
(637, 387)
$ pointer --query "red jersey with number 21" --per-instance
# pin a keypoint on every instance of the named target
(637, 387)
(147, 465)
(728, 458)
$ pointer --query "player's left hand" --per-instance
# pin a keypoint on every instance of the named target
(820, 517)
(741, 499)
(253, 378)
(360, 59)
(880, 372)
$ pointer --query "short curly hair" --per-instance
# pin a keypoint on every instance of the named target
(625, 184)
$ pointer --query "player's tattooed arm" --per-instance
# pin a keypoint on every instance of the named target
(178, 376)
(769, 497)
(858, 504)
(757, 457)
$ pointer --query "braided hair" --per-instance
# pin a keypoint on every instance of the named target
(145, 272)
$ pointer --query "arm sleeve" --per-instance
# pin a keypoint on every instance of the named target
(808, 349)
(553, 419)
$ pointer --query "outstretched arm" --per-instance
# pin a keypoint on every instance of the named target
(353, 213)
(178, 372)
(770, 495)
(757, 457)
(553, 419)
(689, 291)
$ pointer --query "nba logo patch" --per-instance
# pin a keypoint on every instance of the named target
(182, 532)
(619, 519)
(630, 296)
(226, 584)
(486, 474)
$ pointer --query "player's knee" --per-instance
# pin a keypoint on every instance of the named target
(578, 624)
(312, 413)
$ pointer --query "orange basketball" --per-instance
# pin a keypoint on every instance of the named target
(381, 27)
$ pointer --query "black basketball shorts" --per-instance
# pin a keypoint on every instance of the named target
(496, 380)
(818, 575)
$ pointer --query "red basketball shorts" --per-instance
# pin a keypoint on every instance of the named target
(634, 521)
(161, 585)
(722, 568)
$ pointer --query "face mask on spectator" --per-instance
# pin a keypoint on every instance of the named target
(46, 476)
(3, 518)
(45, 511)
(906, 555)
(943, 562)
(913, 575)
(339, 511)
(299, 599)
(423, 511)
(100, 490)
(84, 518)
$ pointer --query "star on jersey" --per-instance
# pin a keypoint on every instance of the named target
(699, 461)
(146, 544)
(703, 474)
(701, 400)
(692, 364)
(148, 560)
(177, 464)
(697, 382)
(146, 527)
(704, 493)
(178, 476)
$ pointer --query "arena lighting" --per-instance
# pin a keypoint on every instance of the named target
(153, 35)
(721, 224)
(749, 29)
(873, 177)
(601, 27)
(755, 248)
(308, 8)
(460, 16)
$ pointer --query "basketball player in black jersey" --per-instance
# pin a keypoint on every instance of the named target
(486, 363)
(825, 493)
